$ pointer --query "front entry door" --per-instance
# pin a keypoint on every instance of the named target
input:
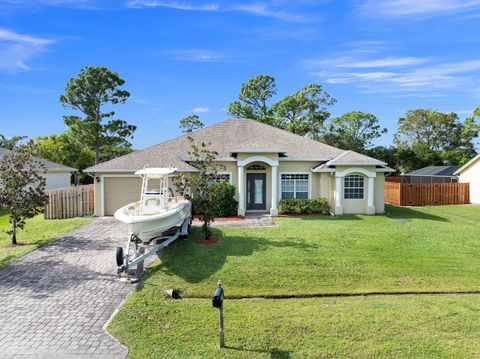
(256, 191)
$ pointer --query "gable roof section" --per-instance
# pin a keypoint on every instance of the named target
(468, 164)
(434, 171)
(49, 165)
(257, 145)
(227, 137)
(354, 158)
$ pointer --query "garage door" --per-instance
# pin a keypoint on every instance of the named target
(119, 191)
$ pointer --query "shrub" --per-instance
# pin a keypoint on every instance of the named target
(222, 195)
(304, 206)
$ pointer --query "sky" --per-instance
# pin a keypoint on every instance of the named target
(184, 57)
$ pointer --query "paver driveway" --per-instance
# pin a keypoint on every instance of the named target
(55, 301)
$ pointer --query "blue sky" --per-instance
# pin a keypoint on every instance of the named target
(183, 57)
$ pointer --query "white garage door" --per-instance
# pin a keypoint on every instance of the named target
(119, 191)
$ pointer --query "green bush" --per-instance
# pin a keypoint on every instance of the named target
(223, 195)
(304, 206)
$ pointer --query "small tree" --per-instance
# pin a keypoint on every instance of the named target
(191, 123)
(201, 182)
(22, 186)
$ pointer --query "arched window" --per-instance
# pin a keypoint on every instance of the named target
(256, 168)
(354, 187)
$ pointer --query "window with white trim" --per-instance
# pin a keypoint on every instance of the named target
(294, 185)
(221, 177)
(354, 187)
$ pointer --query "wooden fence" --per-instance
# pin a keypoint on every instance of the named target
(421, 194)
(70, 202)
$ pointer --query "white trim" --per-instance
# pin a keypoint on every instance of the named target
(102, 189)
(251, 159)
(294, 173)
(353, 170)
(99, 170)
(342, 179)
(466, 165)
(386, 169)
(355, 163)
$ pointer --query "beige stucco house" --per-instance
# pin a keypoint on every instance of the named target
(266, 164)
(470, 173)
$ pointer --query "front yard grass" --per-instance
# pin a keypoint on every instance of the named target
(37, 233)
(436, 250)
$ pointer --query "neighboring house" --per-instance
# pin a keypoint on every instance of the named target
(264, 163)
(470, 173)
(432, 174)
(57, 175)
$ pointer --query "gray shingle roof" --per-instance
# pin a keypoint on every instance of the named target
(434, 171)
(224, 138)
(49, 165)
(351, 157)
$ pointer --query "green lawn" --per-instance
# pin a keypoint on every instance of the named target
(437, 250)
(37, 233)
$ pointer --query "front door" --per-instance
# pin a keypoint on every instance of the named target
(256, 191)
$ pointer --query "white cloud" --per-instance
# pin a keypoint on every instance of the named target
(263, 8)
(17, 49)
(195, 55)
(350, 62)
(200, 109)
(405, 8)
(396, 75)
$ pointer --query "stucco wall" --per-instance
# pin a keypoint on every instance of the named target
(57, 180)
(472, 175)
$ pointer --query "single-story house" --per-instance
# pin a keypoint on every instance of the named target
(57, 175)
(266, 164)
(470, 173)
(432, 174)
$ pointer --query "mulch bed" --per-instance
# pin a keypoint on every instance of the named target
(9, 245)
(302, 215)
(202, 240)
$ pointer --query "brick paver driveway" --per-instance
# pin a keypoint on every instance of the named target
(55, 301)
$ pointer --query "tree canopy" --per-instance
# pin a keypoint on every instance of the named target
(92, 89)
(253, 99)
(190, 123)
(353, 131)
(435, 138)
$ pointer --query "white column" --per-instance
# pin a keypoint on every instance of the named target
(274, 208)
(338, 195)
(241, 192)
(371, 193)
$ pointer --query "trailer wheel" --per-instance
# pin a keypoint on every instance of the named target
(119, 256)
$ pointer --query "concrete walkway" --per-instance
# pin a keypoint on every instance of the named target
(55, 301)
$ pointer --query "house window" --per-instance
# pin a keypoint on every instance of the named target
(354, 187)
(221, 177)
(256, 168)
(294, 186)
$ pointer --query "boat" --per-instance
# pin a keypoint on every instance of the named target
(158, 209)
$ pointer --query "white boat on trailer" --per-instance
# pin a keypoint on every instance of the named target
(155, 221)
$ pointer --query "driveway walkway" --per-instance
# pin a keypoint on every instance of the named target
(55, 301)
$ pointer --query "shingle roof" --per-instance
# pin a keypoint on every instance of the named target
(49, 165)
(351, 157)
(257, 145)
(224, 138)
(434, 171)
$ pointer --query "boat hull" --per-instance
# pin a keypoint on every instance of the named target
(147, 227)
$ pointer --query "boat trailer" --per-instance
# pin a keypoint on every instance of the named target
(140, 252)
